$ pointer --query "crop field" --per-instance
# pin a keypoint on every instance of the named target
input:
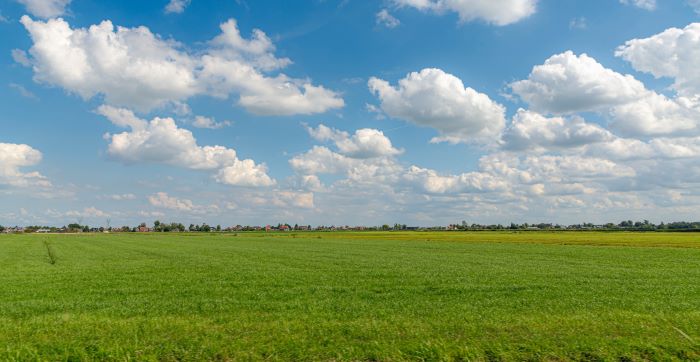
(388, 296)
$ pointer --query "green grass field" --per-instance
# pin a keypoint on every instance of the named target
(351, 296)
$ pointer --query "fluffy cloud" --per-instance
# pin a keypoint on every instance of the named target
(523, 170)
(206, 122)
(130, 67)
(365, 143)
(367, 156)
(13, 157)
(568, 83)
(531, 130)
(161, 141)
(432, 182)
(122, 117)
(500, 176)
(508, 177)
(275, 205)
(653, 152)
(244, 173)
(135, 68)
(121, 197)
(498, 13)
(621, 149)
(163, 200)
(655, 114)
(573, 168)
(88, 212)
(45, 8)
(433, 98)
(322, 160)
(644, 4)
(310, 182)
(303, 200)
(386, 19)
(686, 147)
(176, 6)
(672, 53)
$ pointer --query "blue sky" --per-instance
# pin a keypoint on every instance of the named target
(348, 112)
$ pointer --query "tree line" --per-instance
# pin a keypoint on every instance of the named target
(159, 226)
(644, 225)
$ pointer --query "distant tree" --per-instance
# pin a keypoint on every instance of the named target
(192, 228)
(218, 227)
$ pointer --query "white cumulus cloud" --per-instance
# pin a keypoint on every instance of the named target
(135, 68)
(176, 6)
(501, 12)
(165, 201)
(432, 182)
(533, 131)
(210, 123)
(162, 141)
(568, 83)
(656, 115)
(673, 53)
(45, 8)
(88, 212)
(364, 143)
(121, 197)
(13, 157)
(433, 98)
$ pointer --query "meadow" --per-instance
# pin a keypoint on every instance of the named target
(351, 296)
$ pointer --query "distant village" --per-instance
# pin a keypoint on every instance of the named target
(157, 226)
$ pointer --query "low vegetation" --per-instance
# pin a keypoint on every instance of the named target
(349, 296)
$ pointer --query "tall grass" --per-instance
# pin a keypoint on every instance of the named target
(50, 253)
